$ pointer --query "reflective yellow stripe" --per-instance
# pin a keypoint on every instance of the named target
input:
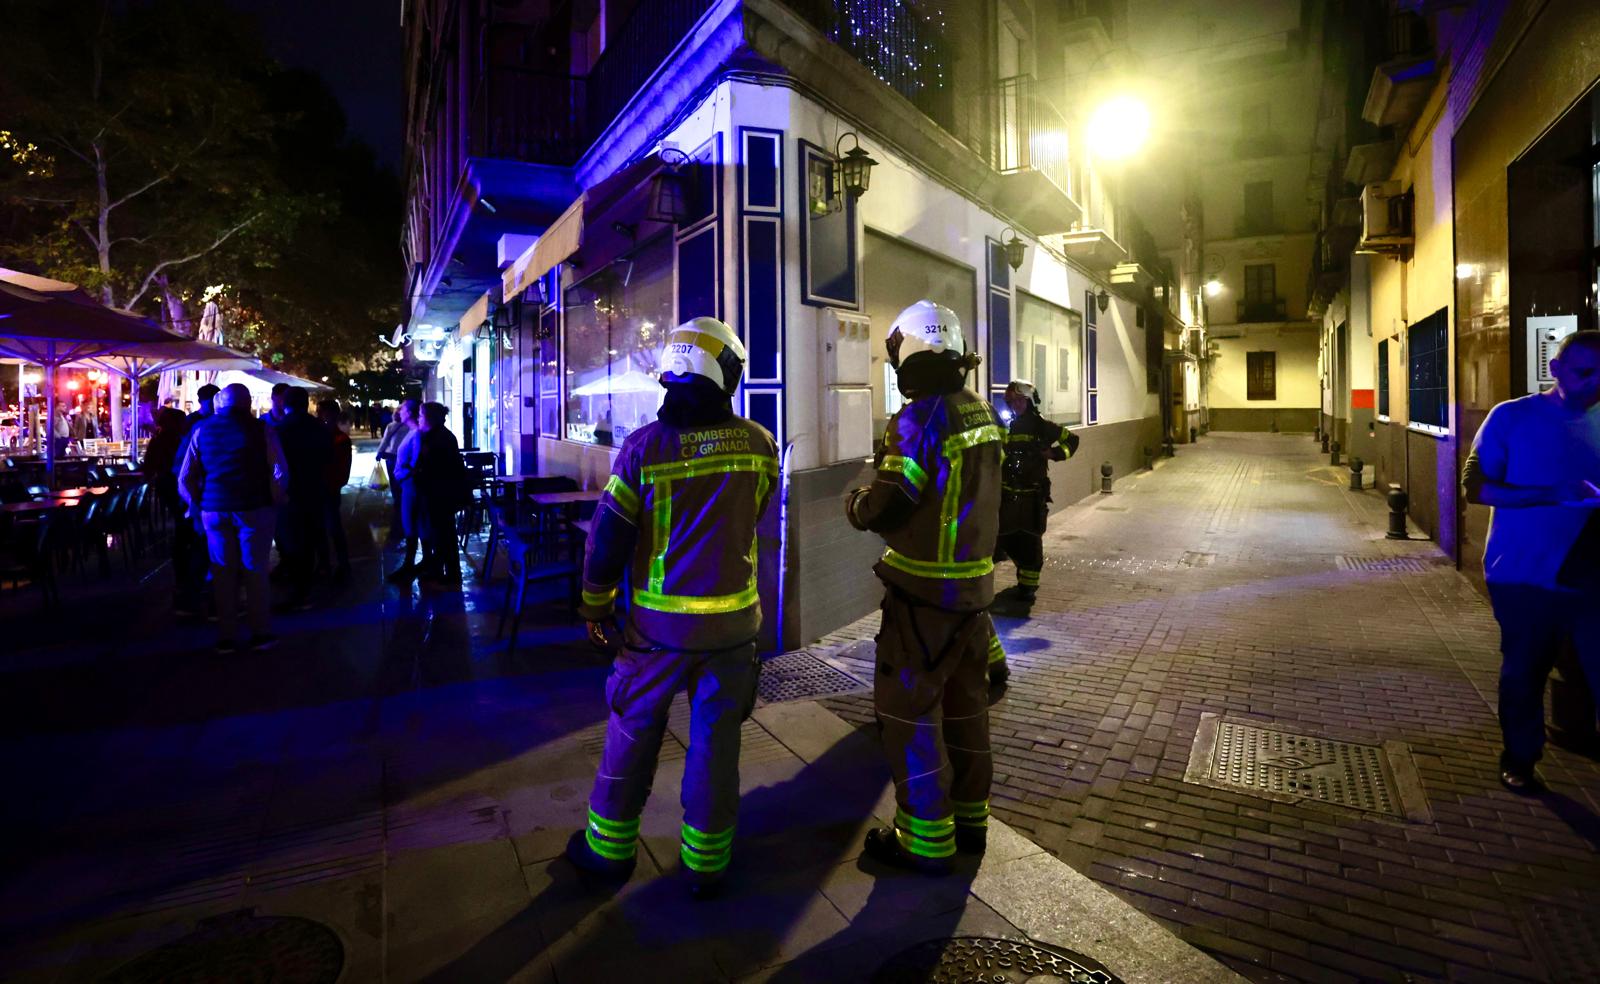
(610, 850)
(617, 829)
(624, 496)
(907, 467)
(997, 654)
(702, 841)
(661, 494)
(970, 811)
(691, 605)
(600, 599)
(943, 827)
(696, 861)
(1028, 579)
(950, 512)
(925, 568)
(971, 438)
(716, 464)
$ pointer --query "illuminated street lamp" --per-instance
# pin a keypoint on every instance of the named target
(1213, 287)
(1119, 127)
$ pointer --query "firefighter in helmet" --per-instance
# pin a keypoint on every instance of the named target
(1031, 444)
(934, 500)
(679, 517)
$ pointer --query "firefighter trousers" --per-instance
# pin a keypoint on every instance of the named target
(931, 697)
(1026, 550)
(639, 692)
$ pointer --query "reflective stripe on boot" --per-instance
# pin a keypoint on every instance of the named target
(705, 852)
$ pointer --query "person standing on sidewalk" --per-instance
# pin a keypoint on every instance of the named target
(1536, 461)
(402, 427)
(190, 558)
(309, 451)
(1032, 442)
(339, 465)
(936, 502)
(435, 480)
(695, 481)
(232, 475)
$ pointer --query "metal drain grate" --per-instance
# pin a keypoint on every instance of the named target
(1566, 940)
(243, 946)
(1284, 765)
(1382, 565)
(964, 959)
(801, 676)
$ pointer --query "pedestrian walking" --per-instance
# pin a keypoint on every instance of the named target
(339, 464)
(1536, 461)
(309, 451)
(435, 488)
(232, 476)
(936, 503)
(190, 557)
(679, 517)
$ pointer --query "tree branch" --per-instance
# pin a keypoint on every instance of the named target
(150, 277)
(160, 177)
(93, 242)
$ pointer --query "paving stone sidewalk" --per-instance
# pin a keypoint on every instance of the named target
(1242, 578)
(385, 797)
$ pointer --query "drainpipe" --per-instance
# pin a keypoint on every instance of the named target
(783, 543)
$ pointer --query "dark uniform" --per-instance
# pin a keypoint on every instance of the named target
(1031, 444)
(934, 501)
(679, 517)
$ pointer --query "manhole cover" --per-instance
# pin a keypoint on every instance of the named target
(801, 676)
(1382, 565)
(973, 959)
(242, 946)
(1287, 766)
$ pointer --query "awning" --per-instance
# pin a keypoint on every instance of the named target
(555, 244)
(476, 315)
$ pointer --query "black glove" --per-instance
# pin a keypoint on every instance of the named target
(604, 636)
(850, 508)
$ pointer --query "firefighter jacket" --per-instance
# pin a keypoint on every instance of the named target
(1031, 444)
(936, 501)
(679, 517)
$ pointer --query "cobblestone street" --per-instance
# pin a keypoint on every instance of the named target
(1242, 579)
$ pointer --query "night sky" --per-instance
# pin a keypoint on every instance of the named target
(355, 45)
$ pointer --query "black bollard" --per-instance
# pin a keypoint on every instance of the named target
(1149, 458)
(1356, 467)
(1167, 450)
(1334, 460)
(1194, 435)
(1324, 442)
(1105, 478)
(1398, 501)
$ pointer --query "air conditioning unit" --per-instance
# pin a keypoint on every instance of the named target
(1385, 218)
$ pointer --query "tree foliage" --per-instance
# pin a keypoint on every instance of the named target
(151, 150)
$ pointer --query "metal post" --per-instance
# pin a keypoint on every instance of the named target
(1334, 460)
(1398, 501)
(1105, 478)
(1167, 450)
(1324, 442)
(1149, 458)
(1356, 467)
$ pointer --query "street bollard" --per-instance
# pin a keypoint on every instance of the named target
(1149, 458)
(1324, 442)
(1194, 435)
(1167, 450)
(1334, 451)
(1356, 467)
(1105, 478)
(1398, 501)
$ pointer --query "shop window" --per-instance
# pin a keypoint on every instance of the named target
(1042, 327)
(616, 322)
(1261, 375)
(827, 236)
(1428, 379)
(1383, 380)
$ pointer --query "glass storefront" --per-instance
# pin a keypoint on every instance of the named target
(616, 321)
(1050, 355)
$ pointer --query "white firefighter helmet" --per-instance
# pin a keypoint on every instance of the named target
(927, 327)
(1026, 390)
(703, 347)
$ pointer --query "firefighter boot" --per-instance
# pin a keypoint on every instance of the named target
(593, 867)
(882, 845)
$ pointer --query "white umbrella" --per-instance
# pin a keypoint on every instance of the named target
(135, 362)
(632, 381)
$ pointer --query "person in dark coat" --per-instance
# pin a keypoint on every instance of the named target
(190, 559)
(339, 465)
(433, 488)
(309, 452)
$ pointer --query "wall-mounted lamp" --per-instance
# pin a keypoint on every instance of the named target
(1014, 247)
(1213, 287)
(669, 189)
(1102, 300)
(853, 173)
(502, 318)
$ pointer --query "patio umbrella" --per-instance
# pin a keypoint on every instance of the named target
(53, 323)
(136, 362)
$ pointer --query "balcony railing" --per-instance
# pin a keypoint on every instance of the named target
(904, 49)
(527, 115)
(1271, 309)
(1030, 134)
(635, 53)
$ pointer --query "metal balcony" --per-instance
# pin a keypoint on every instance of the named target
(1030, 149)
(522, 114)
(1259, 311)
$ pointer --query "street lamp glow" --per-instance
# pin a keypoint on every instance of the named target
(1213, 287)
(1119, 127)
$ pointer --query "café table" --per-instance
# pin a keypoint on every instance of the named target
(38, 507)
